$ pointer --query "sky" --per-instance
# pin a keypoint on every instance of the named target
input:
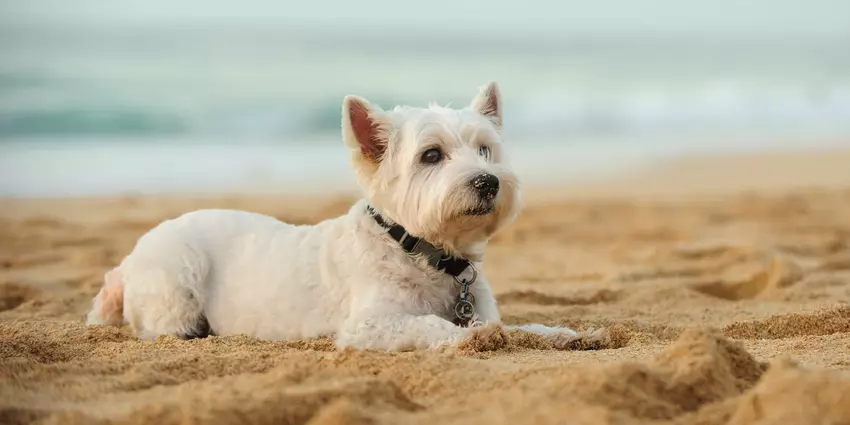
(735, 18)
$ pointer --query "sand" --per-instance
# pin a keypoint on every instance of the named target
(722, 286)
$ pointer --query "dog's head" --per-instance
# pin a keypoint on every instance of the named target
(441, 173)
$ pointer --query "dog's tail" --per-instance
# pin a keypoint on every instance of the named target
(108, 305)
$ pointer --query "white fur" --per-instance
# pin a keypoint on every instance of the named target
(345, 277)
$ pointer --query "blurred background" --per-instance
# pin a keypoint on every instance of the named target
(117, 96)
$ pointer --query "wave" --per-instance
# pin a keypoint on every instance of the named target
(89, 122)
(557, 114)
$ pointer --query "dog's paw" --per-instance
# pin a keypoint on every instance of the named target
(488, 337)
(591, 339)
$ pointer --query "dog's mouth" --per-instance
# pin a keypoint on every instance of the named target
(482, 209)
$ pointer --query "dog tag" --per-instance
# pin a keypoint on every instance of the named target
(464, 310)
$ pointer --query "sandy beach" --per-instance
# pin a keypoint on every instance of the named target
(722, 285)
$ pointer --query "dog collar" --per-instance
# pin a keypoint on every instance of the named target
(437, 258)
(440, 260)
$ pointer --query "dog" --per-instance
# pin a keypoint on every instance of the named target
(402, 270)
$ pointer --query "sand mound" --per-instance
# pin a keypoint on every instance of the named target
(687, 312)
(821, 322)
(701, 376)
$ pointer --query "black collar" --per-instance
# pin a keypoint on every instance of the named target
(437, 258)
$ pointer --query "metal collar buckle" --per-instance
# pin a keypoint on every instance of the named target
(403, 242)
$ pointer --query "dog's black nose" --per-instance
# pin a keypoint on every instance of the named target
(487, 185)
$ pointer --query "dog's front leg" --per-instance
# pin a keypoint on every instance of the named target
(488, 312)
(399, 332)
(560, 337)
(485, 303)
(383, 318)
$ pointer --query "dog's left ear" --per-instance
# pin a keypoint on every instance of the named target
(489, 103)
(365, 128)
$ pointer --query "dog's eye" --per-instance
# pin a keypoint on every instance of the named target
(484, 151)
(432, 156)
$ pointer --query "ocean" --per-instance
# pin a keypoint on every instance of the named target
(141, 109)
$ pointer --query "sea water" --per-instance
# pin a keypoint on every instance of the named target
(205, 108)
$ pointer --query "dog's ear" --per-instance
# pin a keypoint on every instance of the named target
(365, 128)
(489, 103)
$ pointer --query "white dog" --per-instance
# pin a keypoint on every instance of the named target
(401, 270)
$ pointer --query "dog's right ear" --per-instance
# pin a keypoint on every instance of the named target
(365, 128)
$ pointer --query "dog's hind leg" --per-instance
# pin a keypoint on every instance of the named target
(161, 303)
(165, 292)
(108, 305)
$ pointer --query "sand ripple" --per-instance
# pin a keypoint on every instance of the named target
(734, 310)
